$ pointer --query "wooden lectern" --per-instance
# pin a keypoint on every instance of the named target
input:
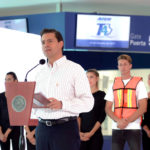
(19, 101)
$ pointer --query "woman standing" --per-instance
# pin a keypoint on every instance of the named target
(146, 123)
(90, 123)
(8, 133)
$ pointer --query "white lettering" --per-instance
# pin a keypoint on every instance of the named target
(137, 43)
(135, 36)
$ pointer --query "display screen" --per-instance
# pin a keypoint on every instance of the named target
(102, 31)
(14, 24)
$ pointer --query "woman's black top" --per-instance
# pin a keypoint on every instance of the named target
(89, 119)
(146, 119)
(4, 117)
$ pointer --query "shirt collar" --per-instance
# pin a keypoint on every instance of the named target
(58, 62)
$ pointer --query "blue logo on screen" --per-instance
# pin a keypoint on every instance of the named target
(104, 29)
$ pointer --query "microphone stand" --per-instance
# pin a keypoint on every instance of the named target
(21, 138)
(25, 80)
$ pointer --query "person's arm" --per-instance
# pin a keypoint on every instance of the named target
(147, 130)
(83, 100)
(141, 95)
(33, 132)
(109, 104)
(2, 136)
(142, 108)
(145, 127)
(146, 119)
(7, 132)
(101, 116)
(79, 123)
(110, 113)
(121, 123)
(93, 130)
(83, 136)
(101, 111)
(30, 135)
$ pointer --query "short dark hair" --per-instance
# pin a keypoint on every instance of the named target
(13, 75)
(126, 57)
(57, 33)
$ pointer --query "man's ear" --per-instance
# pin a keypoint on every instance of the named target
(61, 44)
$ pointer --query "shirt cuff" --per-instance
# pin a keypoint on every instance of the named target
(65, 105)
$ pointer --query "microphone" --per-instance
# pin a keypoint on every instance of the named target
(41, 62)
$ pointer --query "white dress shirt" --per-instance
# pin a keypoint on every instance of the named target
(65, 81)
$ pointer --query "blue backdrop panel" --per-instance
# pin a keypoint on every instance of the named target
(65, 22)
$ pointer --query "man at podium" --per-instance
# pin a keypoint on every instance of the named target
(8, 132)
(65, 85)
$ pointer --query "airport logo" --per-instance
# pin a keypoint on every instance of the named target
(104, 28)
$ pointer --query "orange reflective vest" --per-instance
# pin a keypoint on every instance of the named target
(125, 97)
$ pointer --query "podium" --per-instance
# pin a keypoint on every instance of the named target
(19, 101)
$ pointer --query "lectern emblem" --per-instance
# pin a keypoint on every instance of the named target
(18, 103)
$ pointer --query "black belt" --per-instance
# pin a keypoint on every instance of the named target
(51, 122)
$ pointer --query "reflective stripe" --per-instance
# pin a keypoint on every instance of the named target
(119, 94)
(129, 98)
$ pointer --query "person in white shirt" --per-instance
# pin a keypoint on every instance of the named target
(129, 96)
(66, 86)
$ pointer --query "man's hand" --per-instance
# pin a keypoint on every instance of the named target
(54, 104)
(122, 123)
